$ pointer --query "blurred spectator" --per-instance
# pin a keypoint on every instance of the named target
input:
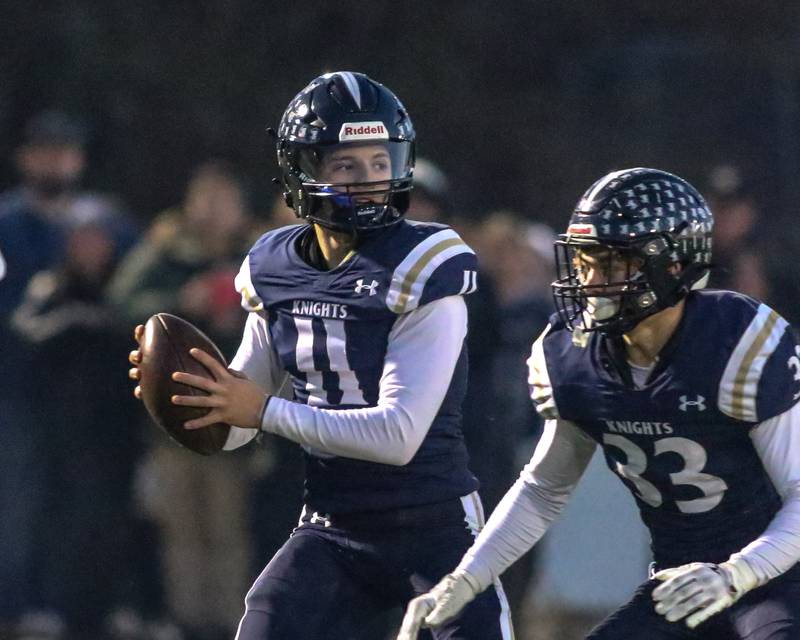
(517, 255)
(750, 253)
(33, 222)
(736, 222)
(50, 163)
(430, 198)
(186, 265)
(83, 531)
(279, 215)
(521, 275)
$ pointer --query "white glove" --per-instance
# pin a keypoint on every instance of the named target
(701, 589)
(441, 603)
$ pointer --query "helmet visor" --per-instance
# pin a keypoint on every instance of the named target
(374, 162)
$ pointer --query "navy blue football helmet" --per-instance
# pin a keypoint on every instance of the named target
(653, 228)
(323, 178)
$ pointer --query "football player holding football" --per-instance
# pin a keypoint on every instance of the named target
(359, 314)
(692, 395)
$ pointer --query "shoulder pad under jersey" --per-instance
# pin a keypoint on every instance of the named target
(762, 375)
(437, 264)
(244, 285)
(267, 257)
(541, 391)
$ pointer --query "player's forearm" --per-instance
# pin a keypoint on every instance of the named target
(778, 549)
(532, 503)
(777, 442)
(386, 434)
(519, 521)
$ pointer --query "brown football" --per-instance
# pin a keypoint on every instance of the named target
(165, 349)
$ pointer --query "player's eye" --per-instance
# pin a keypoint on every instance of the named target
(342, 166)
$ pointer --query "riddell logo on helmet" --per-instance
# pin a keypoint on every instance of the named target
(581, 230)
(363, 131)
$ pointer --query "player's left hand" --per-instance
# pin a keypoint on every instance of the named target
(232, 397)
(444, 601)
(700, 590)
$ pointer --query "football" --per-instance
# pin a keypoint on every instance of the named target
(165, 349)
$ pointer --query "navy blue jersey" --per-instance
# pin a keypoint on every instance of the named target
(330, 330)
(681, 442)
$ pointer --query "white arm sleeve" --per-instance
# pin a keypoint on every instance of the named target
(258, 361)
(777, 442)
(533, 502)
(423, 348)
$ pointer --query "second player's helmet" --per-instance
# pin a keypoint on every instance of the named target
(335, 113)
(655, 228)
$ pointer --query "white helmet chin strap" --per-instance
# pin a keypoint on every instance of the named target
(702, 283)
(598, 308)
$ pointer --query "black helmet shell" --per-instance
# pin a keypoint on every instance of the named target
(656, 220)
(345, 108)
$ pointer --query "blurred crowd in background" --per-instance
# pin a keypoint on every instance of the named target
(134, 171)
(112, 530)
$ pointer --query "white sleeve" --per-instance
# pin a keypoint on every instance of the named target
(258, 361)
(533, 502)
(777, 442)
(423, 348)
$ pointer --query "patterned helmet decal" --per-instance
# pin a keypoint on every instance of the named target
(626, 206)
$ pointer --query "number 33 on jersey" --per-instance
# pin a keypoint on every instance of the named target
(681, 442)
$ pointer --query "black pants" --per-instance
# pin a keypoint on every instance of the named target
(334, 576)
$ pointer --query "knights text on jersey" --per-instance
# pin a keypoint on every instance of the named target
(330, 330)
(681, 442)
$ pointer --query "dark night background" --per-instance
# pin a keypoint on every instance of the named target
(522, 103)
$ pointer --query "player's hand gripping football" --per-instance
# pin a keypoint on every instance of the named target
(232, 398)
(135, 358)
(700, 590)
(444, 601)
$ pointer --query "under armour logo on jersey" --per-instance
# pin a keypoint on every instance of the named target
(699, 403)
(371, 287)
